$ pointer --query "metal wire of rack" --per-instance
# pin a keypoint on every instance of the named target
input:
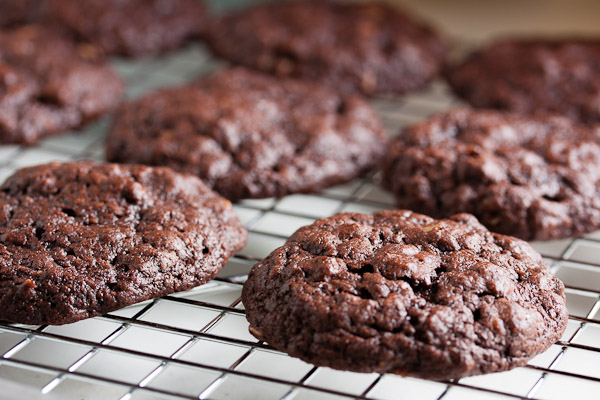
(195, 345)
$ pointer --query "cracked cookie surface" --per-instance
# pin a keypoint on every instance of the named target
(533, 76)
(400, 292)
(131, 28)
(82, 239)
(370, 48)
(47, 86)
(250, 135)
(537, 178)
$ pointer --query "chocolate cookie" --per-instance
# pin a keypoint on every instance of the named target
(251, 135)
(18, 11)
(48, 87)
(82, 239)
(399, 292)
(535, 178)
(371, 47)
(533, 76)
(131, 27)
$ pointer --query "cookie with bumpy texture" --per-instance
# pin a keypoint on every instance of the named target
(48, 85)
(250, 135)
(82, 239)
(537, 178)
(533, 76)
(399, 292)
(131, 27)
(368, 47)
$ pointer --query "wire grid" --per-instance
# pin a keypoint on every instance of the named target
(195, 345)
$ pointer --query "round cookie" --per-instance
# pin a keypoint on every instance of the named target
(371, 48)
(250, 135)
(533, 76)
(131, 27)
(48, 87)
(82, 239)
(399, 292)
(537, 178)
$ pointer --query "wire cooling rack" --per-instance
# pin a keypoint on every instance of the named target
(195, 345)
